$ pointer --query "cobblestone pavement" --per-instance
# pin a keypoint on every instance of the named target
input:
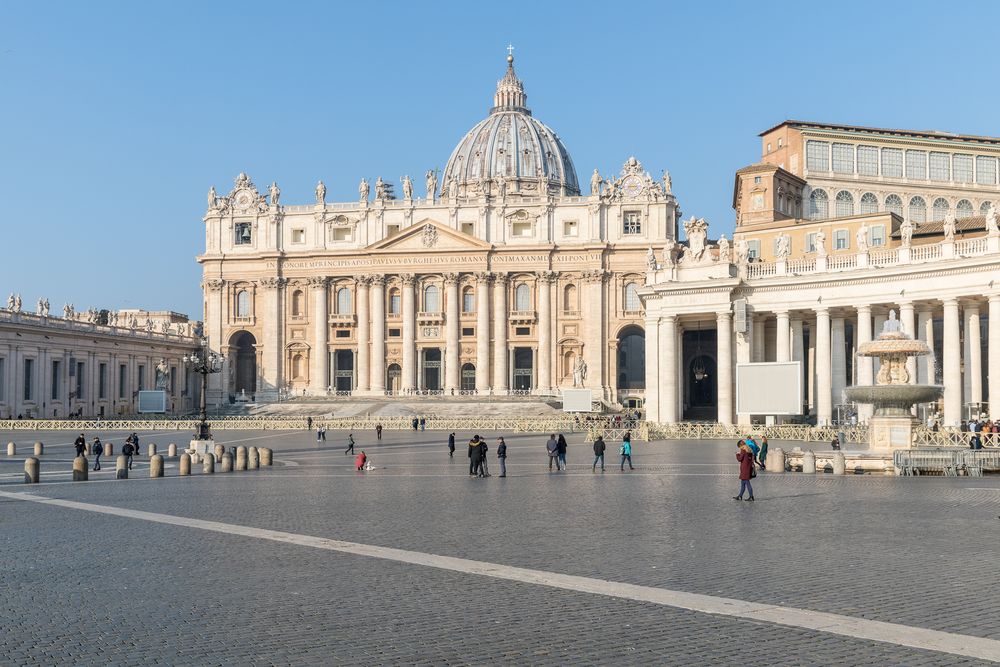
(88, 588)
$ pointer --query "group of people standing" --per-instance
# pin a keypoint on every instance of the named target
(478, 465)
(97, 448)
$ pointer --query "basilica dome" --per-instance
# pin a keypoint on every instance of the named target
(511, 145)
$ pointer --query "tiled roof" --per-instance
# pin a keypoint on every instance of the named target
(927, 134)
(974, 224)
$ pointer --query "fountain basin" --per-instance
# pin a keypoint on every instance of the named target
(894, 399)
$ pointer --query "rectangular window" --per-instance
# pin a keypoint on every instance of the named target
(570, 228)
(394, 303)
(468, 301)
(80, 384)
(962, 168)
(468, 332)
(522, 331)
(940, 167)
(520, 229)
(29, 379)
(298, 236)
(840, 240)
(394, 333)
(56, 377)
(986, 170)
(341, 233)
(753, 249)
(391, 229)
(892, 162)
(867, 161)
(631, 223)
(343, 333)
(817, 156)
(916, 165)
(102, 381)
(142, 377)
(876, 235)
(122, 380)
(756, 180)
(244, 235)
(469, 228)
(811, 242)
(843, 158)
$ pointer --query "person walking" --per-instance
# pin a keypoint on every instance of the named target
(97, 448)
(81, 444)
(128, 450)
(378, 431)
(415, 423)
(451, 445)
(475, 449)
(423, 424)
(552, 447)
(745, 456)
(599, 448)
(626, 451)
(309, 423)
(323, 432)
(319, 433)
(762, 456)
(350, 444)
(502, 455)
(561, 449)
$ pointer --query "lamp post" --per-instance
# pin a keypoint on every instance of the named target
(205, 362)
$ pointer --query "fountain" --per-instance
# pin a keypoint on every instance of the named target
(891, 427)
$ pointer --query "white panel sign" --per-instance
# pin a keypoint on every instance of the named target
(153, 401)
(577, 400)
(769, 388)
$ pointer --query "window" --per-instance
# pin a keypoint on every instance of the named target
(631, 298)
(173, 379)
(962, 168)
(894, 204)
(779, 142)
(984, 208)
(296, 365)
(811, 242)
(102, 381)
(916, 164)
(876, 235)
(343, 333)
(963, 209)
(394, 333)
(892, 162)
(817, 156)
(469, 228)
(468, 332)
(394, 301)
(918, 210)
(343, 301)
(56, 376)
(468, 300)
(940, 167)
(432, 303)
(243, 303)
(142, 377)
(867, 160)
(29, 379)
(769, 147)
(753, 249)
(298, 303)
(869, 203)
(80, 384)
(570, 228)
(843, 158)
(986, 170)
(122, 380)
(845, 204)
(940, 209)
(520, 229)
(569, 298)
(756, 180)
(391, 229)
(819, 205)
(631, 223)
(522, 331)
(841, 241)
(243, 234)
(340, 233)
(298, 236)
(522, 297)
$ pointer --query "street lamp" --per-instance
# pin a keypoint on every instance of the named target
(205, 362)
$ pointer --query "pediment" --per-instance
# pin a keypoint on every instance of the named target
(429, 235)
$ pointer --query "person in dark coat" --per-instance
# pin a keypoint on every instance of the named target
(97, 448)
(451, 445)
(745, 457)
(378, 431)
(484, 466)
(552, 447)
(599, 448)
(561, 449)
(81, 444)
(415, 423)
(475, 454)
(350, 444)
(502, 455)
(127, 451)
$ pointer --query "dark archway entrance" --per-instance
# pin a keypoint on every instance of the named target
(343, 368)
(432, 368)
(523, 369)
(632, 358)
(243, 364)
(468, 377)
(700, 378)
(393, 378)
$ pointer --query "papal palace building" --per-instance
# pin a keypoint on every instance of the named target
(505, 278)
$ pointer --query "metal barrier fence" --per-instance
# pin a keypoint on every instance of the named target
(947, 462)
(714, 431)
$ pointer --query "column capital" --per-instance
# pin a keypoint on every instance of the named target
(722, 316)
(213, 285)
(407, 279)
(596, 276)
(781, 311)
(951, 302)
(377, 280)
(270, 282)
(547, 276)
(483, 277)
(970, 306)
(864, 308)
(671, 319)
(451, 279)
(994, 298)
(318, 282)
(501, 278)
(364, 281)
(822, 310)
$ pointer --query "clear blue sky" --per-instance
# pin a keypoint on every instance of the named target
(116, 117)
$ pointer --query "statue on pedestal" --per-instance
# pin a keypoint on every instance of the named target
(10, 302)
(862, 238)
(724, 249)
(579, 372)
(363, 190)
(820, 243)
(783, 246)
(320, 193)
(595, 183)
(992, 224)
(501, 184)
(213, 198)
(650, 259)
(742, 251)
(432, 184)
(162, 375)
(275, 193)
(906, 232)
(17, 303)
(949, 227)
(667, 183)
(407, 188)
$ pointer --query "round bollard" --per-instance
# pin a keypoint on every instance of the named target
(156, 466)
(109, 449)
(775, 460)
(185, 464)
(11, 449)
(253, 459)
(121, 467)
(31, 470)
(241, 458)
(86, 449)
(39, 448)
(219, 449)
(809, 462)
(226, 463)
(266, 456)
(151, 452)
(839, 463)
(209, 467)
(171, 450)
(195, 458)
(80, 469)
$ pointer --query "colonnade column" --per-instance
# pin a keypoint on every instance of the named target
(362, 374)
(377, 371)
(593, 329)
(500, 282)
(824, 371)
(838, 359)
(724, 338)
(907, 323)
(483, 331)
(925, 332)
(668, 369)
(319, 376)
(974, 362)
(864, 364)
(451, 324)
(757, 339)
(952, 364)
(545, 279)
(652, 350)
(271, 357)
(993, 358)
(409, 371)
(783, 346)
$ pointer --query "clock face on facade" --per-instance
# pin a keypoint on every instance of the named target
(632, 186)
(243, 199)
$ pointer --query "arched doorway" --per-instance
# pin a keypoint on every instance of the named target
(432, 368)
(243, 364)
(632, 358)
(393, 377)
(343, 369)
(468, 377)
(523, 369)
(702, 400)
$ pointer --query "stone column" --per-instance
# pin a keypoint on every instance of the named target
(798, 353)
(907, 323)
(925, 332)
(362, 374)
(838, 359)
(952, 364)
(824, 370)
(783, 348)
(993, 358)
(652, 389)
(319, 377)
(500, 283)
(724, 368)
(377, 357)
(668, 369)
(408, 378)
(545, 280)
(215, 313)
(451, 327)
(593, 329)
(273, 321)
(757, 338)
(483, 331)
(974, 361)
(864, 364)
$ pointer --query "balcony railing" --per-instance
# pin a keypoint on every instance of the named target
(522, 317)
(342, 319)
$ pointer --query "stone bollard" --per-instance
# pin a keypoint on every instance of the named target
(151, 451)
(121, 467)
(219, 449)
(11, 449)
(266, 456)
(241, 458)
(155, 466)
(109, 449)
(253, 459)
(171, 450)
(86, 449)
(775, 460)
(39, 447)
(809, 462)
(80, 469)
(209, 466)
(185, 464)
(226, 463)
(31, 470)
(839, 463)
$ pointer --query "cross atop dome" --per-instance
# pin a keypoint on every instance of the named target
(510, 91)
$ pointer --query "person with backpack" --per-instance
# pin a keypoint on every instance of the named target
(745, 457)
(552, 447)
(626, 452)
(81, 444)
(762, 455)
(451, 445)
(599, 448)
(502, 455)
(97, 448)
(127, 451)
(350, 444)
(752, 445)
(561, 449)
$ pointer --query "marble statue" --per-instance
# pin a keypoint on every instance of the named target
(783, 246)
(667, 183)
(650, 259)
(165, 327)
(501, 184)
(697, 234)
(162, 375)
(67, 311)
(453, 188)
(149, 324)
(892, 324)
(670, 253)
(113, 318)
(992, 223)
(275, 193)
(432, 184)
(10, 301)
(363, 189)
(949, 226)
(742, 251)
(39, 306)
(906, 232)
(407, 188)
(595, 183)
(380, 192)
(862, 238)
(17, 303)
(725, 252)
(609, 189)
(320, 193)
(820, 243)
(133, 323)
(579, 372)
(213, 198)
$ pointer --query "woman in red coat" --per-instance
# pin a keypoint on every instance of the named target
(359, 461)
(745, 457)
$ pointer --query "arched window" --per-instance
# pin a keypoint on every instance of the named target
(940, 209)
(296, 366)
(963, 209)
(343, 301)
(468, 300)
(569, 298)
(394, 301)
(894, 204)
(631, 298)
(984, 207)
(431, 302)
(845, 204)
(819, 205)
(243, 303)
(522, 297)
(298, 303)
(918, 210)
(869, 203)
